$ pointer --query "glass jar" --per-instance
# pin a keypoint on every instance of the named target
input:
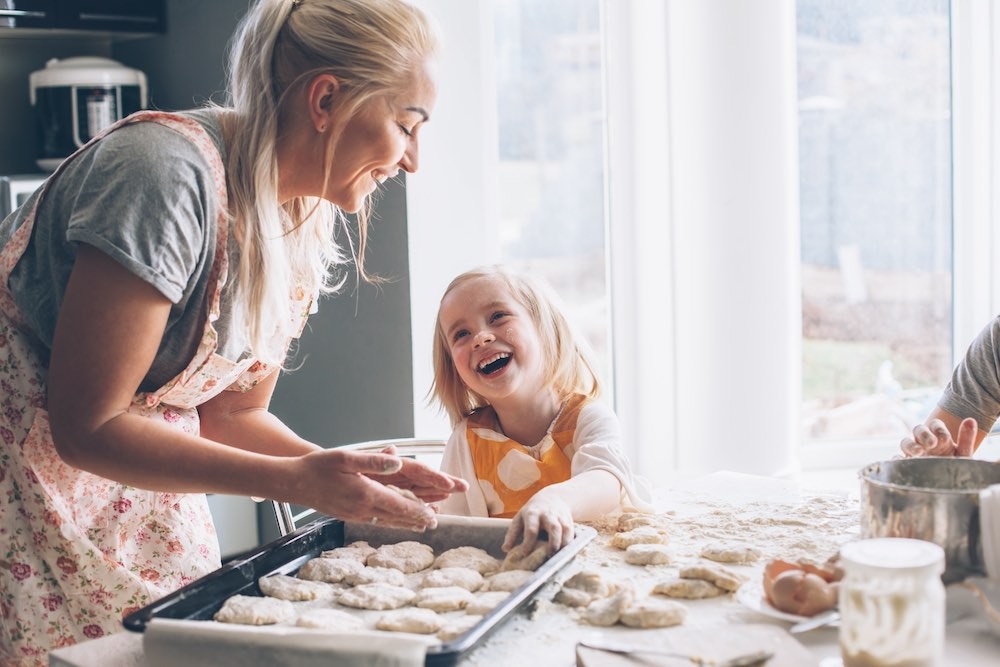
(892, 603)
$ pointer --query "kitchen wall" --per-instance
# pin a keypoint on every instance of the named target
(350, 378)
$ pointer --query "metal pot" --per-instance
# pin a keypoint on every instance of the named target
(934, 499)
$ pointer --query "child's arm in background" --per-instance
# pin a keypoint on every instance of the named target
(589, 495)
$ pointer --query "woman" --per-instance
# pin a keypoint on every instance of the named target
(149, 294)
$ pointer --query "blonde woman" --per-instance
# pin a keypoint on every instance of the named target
(529, 434)
(150, 290)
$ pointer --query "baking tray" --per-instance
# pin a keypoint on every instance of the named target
(200, 599)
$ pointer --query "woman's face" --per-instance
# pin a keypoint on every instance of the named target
(381, 139)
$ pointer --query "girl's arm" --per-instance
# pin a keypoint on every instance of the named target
(109, 329)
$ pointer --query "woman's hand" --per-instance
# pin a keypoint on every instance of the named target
(934, 439)
(544, 511)
(342, 484)
(426, 483)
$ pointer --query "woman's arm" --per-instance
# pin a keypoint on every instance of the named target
(109, 329)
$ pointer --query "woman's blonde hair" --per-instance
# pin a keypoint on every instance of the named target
(569, 367)
(373, 48)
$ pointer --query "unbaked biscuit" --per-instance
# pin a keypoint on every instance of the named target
(408, 557)
(721, 576)
(376, 575)
(376, 596)
(653, 613)
(508, 581)
(329, 570)
(485, 602)
(359, 551)
(421, 621)
(519, 558)
(284, 587)
(640, 535)
(689, 589)
(465, 577)
(252, 610)
(446, 598)
(648, 554)
(739, 554)
(471, 557)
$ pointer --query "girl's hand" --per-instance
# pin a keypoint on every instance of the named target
(934, 439)
(545, 512)
(426, 483)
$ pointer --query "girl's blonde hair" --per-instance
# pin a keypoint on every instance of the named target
(373, 48)
(569, 367)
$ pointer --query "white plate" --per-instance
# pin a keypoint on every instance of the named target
(751, 596)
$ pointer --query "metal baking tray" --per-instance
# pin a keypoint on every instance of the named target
(200, 599)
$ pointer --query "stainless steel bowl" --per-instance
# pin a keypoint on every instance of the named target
(933, 499)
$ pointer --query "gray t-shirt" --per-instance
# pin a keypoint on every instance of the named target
(974, 389)
(143, 195)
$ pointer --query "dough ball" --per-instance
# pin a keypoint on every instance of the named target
(632, 520)
(376, 596)
(721, 576)
(329, 570)
(456, 627)
(607, 611)
(640, 535)
(653, 613)
(583, 588)
(648, 554)
(508, 581)
(519, 558)
(465, 577)
(447, 598)
(689, 589)
(359, 551)
(420, 621)
(284, 587)
(331, 620)
(406, 557)
(473, 558)
(484, 603)
(739, 554)
(376, 575)
(252, 610)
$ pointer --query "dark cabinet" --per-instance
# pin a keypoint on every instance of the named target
(34, 17)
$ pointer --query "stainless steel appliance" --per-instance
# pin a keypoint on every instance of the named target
(15, 190)
(76, 98)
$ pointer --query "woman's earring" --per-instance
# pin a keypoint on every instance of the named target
(322, 129)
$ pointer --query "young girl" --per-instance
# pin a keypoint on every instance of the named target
(529, 434)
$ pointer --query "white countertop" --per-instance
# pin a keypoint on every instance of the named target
(777, 517)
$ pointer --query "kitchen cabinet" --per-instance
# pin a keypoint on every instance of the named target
(100, 18)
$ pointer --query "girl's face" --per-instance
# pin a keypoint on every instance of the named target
(493, 341)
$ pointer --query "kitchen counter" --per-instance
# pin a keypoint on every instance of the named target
(777, 518)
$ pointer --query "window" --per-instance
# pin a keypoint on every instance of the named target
(874, 98)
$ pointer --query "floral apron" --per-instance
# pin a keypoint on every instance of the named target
(510, 473)
(77, 551)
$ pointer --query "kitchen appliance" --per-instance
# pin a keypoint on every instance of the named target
(930, 498)
(76, 98)
(15, 190)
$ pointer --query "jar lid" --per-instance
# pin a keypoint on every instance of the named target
(897, 554)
